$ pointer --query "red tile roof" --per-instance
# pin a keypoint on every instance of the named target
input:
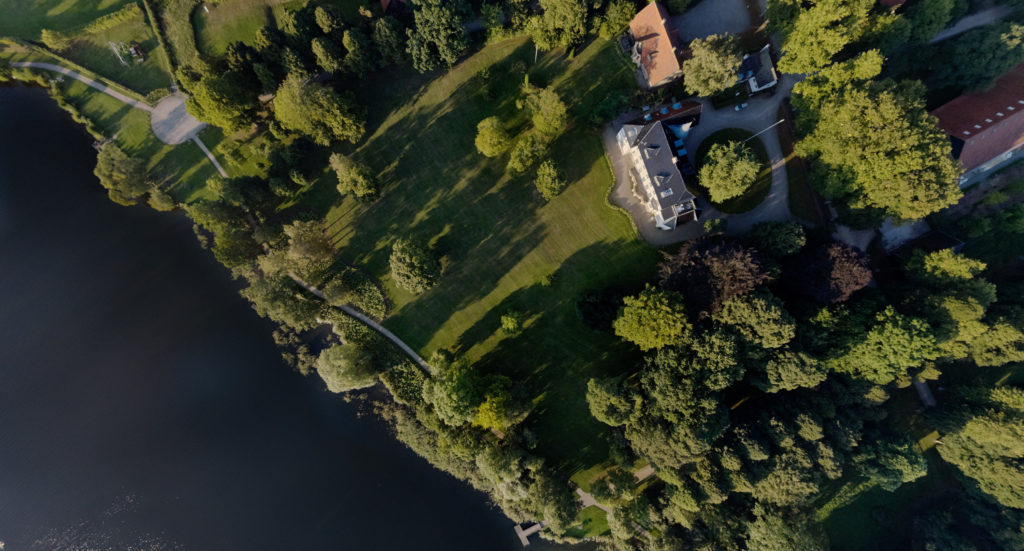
(653, 29)
(990, 122)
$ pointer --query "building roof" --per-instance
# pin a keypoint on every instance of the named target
(758, 66)
(984, 125)
(659, 161)
(653, 30)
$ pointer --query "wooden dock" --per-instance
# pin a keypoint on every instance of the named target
(524, 534)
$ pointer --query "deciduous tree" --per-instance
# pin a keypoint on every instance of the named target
(728, 170)
(438, 35)
(652, 319)
(549, 182)
(413, 266)
(346, 367)
(354, 177)
(317, 111)
(491, 137)
(124, 177)
(712, 66)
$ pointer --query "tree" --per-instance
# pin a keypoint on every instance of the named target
(525, 153)
(503, 405)
(789, 370)
(985, 441)
(893, 346)
(550, 182)
(760, 318)
(388, 38)
(980, 56)
(455, 392)
(55, 40)
(327, 19)
(491, 138)
(354, 178)
(611, 402)
(713, 65)
(562, 23)
(278, 298)
(890, 461)
(771, 531)
(777, 239)
(223, 100)
(1000, 344)
(710, 271)
(652, 319)
(820, 31)
(328, 56)
(439, 33)
(124, 177)
(928, 17)
(308, 251)
(547, 110)
(359, 57)
(413, 266)
(878, 148)
(6, 72)
(512, 322)
(729, 170)
(317, 111)
(617, 16)
(829, 273)
(346, 367)
(161, 200)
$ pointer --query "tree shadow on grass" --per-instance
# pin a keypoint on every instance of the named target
(556, 354)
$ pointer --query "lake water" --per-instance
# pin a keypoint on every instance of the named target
(143, 405)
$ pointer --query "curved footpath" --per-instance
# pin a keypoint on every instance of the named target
(86, 80)
(369, 322)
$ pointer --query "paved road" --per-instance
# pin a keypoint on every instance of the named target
(370, 323)
(88, 81)
(983, 17)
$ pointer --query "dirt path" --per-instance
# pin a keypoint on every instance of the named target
(86, 80)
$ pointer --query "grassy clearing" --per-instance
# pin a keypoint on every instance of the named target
(94, 51)
(27, 18)
(498, 237)
(759, 190)
(592, 522)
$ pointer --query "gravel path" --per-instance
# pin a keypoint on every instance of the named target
(84, 79)
(172, 123)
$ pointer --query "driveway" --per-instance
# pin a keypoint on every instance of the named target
(983, 17)
(761, 114)
(712, 17)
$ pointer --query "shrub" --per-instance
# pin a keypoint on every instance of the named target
(54, 40)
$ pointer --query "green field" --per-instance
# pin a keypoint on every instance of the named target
(26, 18)
(498, 237)
(757, 193)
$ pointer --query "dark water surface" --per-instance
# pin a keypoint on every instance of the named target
(144, 406)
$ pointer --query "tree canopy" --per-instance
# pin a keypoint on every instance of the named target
(438, 35)
(729, 170)
(413, 266)
(354, 178)
(491, 137)
(561, 23)
(346, 367)
(124, 177)
(317, 111)
(652, 319)
(712, 66)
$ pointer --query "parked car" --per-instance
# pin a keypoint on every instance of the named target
(741, 106)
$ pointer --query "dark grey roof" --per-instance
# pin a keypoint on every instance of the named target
(659, 160)
(758, 66)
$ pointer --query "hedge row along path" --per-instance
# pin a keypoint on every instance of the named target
(169, 120)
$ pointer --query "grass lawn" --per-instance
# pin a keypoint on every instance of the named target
(94, 51)
(592, 522)
(26, 18)
(497, 236)
(757, 192)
